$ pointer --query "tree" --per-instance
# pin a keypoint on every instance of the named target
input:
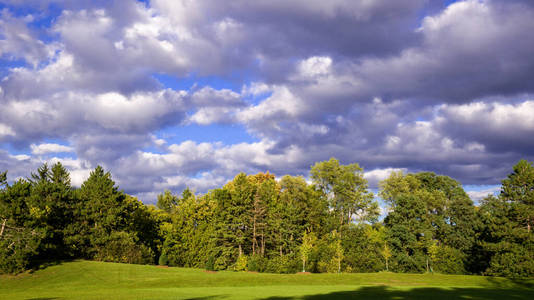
(3, 179)
(167, 201)
(105, 222)
(308, 242)
(518, 190)
(242, 195)
(19, 239)
(386, 252)
(51, 205)
(346, 190)
(425, 209)
(506, 238)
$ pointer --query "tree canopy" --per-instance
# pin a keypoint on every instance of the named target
(267, 224)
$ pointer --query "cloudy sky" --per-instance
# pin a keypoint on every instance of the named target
(173, 93)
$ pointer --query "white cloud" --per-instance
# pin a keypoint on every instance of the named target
(315, 66)
(375, 176)
(6, 130)
(49, 148)
(481, 194)
(381, 94)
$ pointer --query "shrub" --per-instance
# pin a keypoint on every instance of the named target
(241, 263)
(256, 263)
(163, 259)
(210, 263)
(447, 260)
(285, 264)
(121, 247)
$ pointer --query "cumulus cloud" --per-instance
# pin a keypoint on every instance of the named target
(49, 148)
(478, 195)
(68, 114)
(373, 177)
(495, 126)
(19, 42)
(393, 85)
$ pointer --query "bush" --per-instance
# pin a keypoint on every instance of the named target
(448, 260)
(515, 262)
(210, 263)
(121, 247)
(241, 263)
(163, 259)
(256, 263)
(285, 264)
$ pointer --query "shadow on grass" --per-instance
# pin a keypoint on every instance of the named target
(43, 264)
(384, 292)
(523, 283)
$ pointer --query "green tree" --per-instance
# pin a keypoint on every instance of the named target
(3, 179)
(425, 209)
(346, 190)
(308, 243)
(51, 208)
(518, 190)
(167, 201)
(506, 237)
(19, 240)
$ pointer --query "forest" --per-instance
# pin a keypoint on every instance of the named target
(261, 223)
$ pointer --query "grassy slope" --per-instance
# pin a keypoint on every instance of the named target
(96, 280)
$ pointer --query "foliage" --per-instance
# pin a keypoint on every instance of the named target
(258, 223)
(506, 237)
(346, 190)
(427, 210)
(163, 260)
(308, 242)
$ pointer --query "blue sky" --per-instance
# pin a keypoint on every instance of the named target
(168, 94)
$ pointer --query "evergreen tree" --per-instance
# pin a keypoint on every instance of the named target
(506, 238)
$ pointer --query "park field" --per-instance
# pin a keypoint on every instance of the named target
(99, 280)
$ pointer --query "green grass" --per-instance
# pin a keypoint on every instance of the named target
(97, 280)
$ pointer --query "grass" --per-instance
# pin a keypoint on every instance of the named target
(98, 280)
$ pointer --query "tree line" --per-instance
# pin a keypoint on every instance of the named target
(259, 223)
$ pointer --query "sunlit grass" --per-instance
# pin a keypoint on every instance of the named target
(97, 280)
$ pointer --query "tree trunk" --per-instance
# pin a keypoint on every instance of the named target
(254, 241)
(262, 244)
(3, 226)
(280, 240)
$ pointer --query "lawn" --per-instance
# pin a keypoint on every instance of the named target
(98, 280)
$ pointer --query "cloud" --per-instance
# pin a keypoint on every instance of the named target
(373, 177)
(478, 195)
(49, 148)
(393, 85)
(19, 42)
(6, 130)
(493, 125)
(69, 114)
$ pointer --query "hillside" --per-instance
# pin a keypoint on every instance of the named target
(99, 280)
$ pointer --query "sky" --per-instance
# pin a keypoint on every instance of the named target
(173, 93)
